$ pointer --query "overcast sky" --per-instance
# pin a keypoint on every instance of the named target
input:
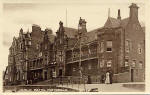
(21, 14)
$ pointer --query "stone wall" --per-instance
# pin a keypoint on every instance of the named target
(121, 77)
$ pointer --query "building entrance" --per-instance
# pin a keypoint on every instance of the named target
(45, 75)
(132, 75)
(60, 72)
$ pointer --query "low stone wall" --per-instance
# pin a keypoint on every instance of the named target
(139, 75)
(121, 77)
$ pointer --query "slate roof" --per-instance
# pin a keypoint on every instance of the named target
(86, 38)
(124, 22)
(70, 32)
(92, 35)
(112, 23)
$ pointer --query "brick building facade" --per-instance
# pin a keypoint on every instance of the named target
(118, 46)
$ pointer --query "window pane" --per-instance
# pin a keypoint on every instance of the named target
(109, 43)
(102, 47)
(133, 63)
(109, 62)
(126, 62)
(102, 63)
(109, 46)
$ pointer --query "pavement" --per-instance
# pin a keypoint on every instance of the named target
(115, 87)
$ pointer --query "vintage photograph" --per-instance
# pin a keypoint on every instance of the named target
(73, 46)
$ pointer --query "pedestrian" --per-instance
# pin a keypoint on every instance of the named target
(103, 78)
(89, 80)
(111, 77)
(107, 80)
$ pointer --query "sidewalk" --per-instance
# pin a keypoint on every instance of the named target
(115, 87)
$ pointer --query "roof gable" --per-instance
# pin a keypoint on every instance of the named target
(124, 22)
(112, 23)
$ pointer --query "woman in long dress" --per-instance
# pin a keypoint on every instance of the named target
(107, 81)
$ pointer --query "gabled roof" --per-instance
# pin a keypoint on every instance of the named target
(124, 22)
(112, 23)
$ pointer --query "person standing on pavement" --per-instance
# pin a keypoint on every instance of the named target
(103, 78)
(111, 77)
(107, 80)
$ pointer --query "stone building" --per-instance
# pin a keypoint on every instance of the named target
(111, 48)
(122, 47)
(118, 46)
(30, 55)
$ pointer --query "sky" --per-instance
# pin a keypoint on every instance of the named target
(19, 14)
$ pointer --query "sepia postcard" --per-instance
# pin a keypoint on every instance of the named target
(74, 46)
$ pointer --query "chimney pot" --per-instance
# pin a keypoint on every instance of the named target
(119, 16)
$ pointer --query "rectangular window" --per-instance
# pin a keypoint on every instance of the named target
(26, 48)
(40, 54)
(45, 46)
(21, 46)
(128, 46)
(109, 63)
(126, 62)
(89, 66)
(109, 46)
(133, 63)
(26, 42)
(10, 78)
(29, 42)
(37, 46)
(139, 49)
(102, 63)
(102, 47)
(10, 69)
(140, 64)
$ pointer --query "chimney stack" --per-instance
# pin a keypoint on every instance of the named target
(119, 17)
(133, 12)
